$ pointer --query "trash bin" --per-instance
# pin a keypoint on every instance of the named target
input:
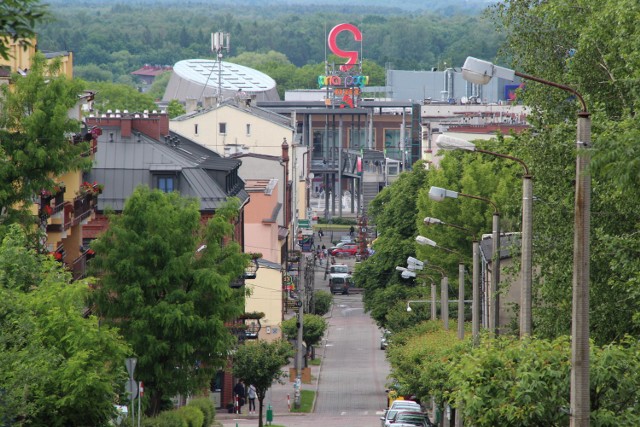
(269, 414)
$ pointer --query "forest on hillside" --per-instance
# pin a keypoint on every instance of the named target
(111, 39)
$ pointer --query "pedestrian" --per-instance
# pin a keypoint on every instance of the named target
(351, 231)
(251, 394)
(320, 234)
(239, 392)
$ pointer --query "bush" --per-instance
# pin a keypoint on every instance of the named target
(167, 419)
(322, 302)
(193, 415)
(206, 406)
(338, 221)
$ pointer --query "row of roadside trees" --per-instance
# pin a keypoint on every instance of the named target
(512, 381)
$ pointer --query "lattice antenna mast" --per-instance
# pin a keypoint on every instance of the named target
(219, 42)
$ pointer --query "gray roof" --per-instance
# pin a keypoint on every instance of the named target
(126, 163)
(508, 242)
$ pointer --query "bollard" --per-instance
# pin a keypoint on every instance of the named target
(269, 414)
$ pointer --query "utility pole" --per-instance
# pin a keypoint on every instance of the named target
(299, 356)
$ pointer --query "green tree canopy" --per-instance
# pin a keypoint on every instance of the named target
(35, 137)
(260, 363)
(18, 19)
(170, 299)
(313, 329)
(60, 367)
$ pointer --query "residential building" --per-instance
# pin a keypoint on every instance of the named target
(234, 126)
(148, 73)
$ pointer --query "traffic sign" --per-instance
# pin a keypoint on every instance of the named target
(130, 363)
(131, 388)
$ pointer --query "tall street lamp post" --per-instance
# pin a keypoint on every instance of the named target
(425, 241)
(413, 265)
(438, 194)
(475, 282)
(480, 72)
(446, 142)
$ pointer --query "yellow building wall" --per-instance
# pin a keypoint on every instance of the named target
(266, 297)
(264, 137)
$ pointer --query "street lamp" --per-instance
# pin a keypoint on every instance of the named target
(480, 72)
(446, 142)
(438, 194)
(416, 264)
(475, 282)
(425, 241)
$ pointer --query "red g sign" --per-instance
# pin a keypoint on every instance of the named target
(352, 55)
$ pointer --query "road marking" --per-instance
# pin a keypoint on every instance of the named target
(328, 345)
(343, 413)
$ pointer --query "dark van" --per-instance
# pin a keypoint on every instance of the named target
(340, 283)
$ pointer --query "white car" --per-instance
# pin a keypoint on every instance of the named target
(388, 417)
(409, 405)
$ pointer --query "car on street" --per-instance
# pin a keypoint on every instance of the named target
(348, 249)
(339, 245)
(411, 419)
(338, 269)
(340, 283)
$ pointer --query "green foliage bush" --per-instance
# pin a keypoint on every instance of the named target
(192, 415)
(338, 221)
(167, 419)
(322, 302)
(206, 406)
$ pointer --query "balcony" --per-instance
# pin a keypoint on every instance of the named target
(79, 265)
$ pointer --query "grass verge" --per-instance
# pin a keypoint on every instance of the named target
(306, 401)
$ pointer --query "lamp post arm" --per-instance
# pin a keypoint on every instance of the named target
(495, 208)
(506, 156)
(557, 85)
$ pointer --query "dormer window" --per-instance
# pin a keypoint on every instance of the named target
(166, 183)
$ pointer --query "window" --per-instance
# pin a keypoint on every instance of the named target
(166, 183)
(195, 129)
(392, 144)
(358, 138)
(222, 128)
(248, 129)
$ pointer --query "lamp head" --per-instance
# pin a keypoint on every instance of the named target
(408, 308)
(425, 241)
(439, 194)
(415, 263)
(480, 72)
(430, 220)
(446, 142)
(401, 268)
(407, 274)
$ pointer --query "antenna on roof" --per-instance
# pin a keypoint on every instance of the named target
(220, 41)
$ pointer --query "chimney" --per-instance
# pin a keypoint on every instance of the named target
(209, 101)
(125, 127)
(191, 104)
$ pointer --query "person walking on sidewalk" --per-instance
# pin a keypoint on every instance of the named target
(251, 395)
(239, 391)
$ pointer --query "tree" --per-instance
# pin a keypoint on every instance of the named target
(393, 212)
(313, 329)
(260, 363)
(60, 367)
(164, 280)
(112, 96)
(322, 302)
(175, 109)
(18, 19)
(34, 130)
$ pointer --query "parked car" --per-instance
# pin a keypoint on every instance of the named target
(411, 419)
(405, 404)
(339, 245)
(338, 269)
(348, 249)
(388, 418)
(384, 339)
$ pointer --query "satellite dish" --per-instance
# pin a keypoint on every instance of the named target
(464, 100)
